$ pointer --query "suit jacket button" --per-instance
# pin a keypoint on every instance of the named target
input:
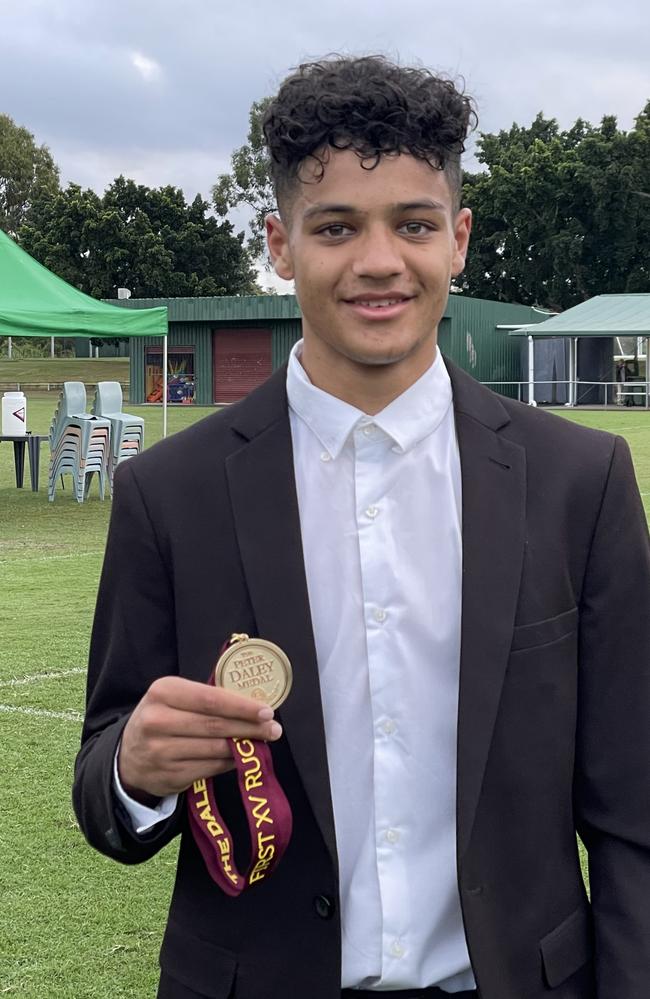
(324, 906)
(113, 838)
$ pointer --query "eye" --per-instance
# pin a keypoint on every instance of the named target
(335, 230)
(417, 228)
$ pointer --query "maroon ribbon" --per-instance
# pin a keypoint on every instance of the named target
(267, 810)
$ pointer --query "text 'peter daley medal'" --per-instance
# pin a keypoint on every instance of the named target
(255, 668)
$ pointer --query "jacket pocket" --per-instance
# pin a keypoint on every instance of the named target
(205, 968)
(528, 636)
(566, 948)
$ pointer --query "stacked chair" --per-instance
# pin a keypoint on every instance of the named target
(127, 432)
(79, 444)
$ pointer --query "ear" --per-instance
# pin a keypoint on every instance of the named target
(277, 240)
(462, 229)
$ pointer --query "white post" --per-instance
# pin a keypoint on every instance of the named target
(164, 386)
(531, 371)
(647, 372)
(569, 401)
(51, 346)
(575, 371)
(572, 370)
(90, 347)
(9, 347)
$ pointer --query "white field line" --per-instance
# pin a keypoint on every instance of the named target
(22, 681)
(48, 558)
(73, 716)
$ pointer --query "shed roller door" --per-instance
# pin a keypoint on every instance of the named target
(242, 361)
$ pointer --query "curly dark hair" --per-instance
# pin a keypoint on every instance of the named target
(369, 105)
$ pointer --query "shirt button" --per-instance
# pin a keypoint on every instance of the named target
(392, 835)
(368, 430)
(325, 456)
(372, 512)
(397, 949)
(388, 726)
(380, 615)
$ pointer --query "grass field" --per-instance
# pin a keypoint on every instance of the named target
(72, 924)
(37, 371)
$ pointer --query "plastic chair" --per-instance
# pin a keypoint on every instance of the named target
(127, 431)
(79, 444)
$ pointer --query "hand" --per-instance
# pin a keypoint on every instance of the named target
(177, 734)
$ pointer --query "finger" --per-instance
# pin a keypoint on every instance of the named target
(208, 751)
(185, 724)
(182, 777)
(183, 751)
(201, 698)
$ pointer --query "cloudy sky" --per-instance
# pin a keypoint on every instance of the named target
(160, 90)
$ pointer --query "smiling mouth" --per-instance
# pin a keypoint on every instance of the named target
(382, 303)
(376, 302)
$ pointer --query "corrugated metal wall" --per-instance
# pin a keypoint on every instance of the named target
(197, 335)
(229, 309)
(241, 361)
(468, 335)
(286, 332)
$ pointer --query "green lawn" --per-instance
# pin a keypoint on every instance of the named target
(59, 369)
(65, 910)
(72, 924)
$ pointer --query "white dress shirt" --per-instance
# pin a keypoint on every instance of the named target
(380, 513)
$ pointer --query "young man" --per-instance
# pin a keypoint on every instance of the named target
(449, 573)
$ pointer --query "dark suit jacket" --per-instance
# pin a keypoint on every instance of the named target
(554, 717)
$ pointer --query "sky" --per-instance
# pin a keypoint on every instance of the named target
(160, 91)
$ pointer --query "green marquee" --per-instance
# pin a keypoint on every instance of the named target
(35, 302)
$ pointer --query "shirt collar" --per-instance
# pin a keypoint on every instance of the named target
(407, 420)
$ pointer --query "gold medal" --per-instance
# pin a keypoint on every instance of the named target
(255, 668)
(260, 670)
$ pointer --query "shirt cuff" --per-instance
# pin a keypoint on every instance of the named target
(142, 817)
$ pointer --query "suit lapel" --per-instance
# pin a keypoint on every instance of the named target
(265, 509)
(494, 496)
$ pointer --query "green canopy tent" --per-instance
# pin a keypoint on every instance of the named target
(603, 316)
(35, 302)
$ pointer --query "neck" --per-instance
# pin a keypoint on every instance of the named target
(368, 387)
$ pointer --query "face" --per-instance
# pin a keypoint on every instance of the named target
(372, 253)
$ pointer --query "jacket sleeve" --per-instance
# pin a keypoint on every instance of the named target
(133, 643)
(612, 772)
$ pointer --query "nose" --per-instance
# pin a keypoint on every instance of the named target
(378, 254)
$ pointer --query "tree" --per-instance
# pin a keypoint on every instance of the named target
(558, 217)
(148, 240)
(27, 173)
(249, 182)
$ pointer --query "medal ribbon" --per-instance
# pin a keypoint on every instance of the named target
(267, 810)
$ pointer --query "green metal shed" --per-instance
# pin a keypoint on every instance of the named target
(260, 330)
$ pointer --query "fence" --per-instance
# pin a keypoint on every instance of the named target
(635, 393)
(582, 393)
(49, 386)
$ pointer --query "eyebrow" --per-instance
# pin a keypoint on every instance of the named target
(402, 206)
